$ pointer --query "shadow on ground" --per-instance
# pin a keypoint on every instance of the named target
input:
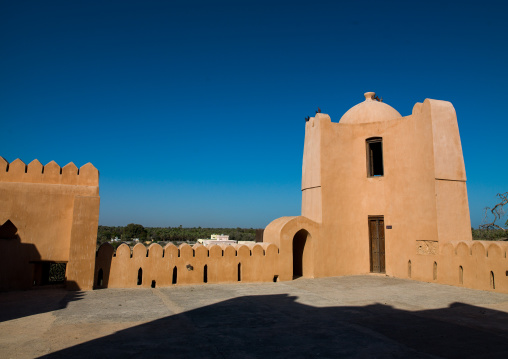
(14, 305)
(277, 326)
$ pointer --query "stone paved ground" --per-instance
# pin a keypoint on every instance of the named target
(354, 316)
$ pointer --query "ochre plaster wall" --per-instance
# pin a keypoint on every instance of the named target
(56, 212)
(477, 259)
(258, 263)
(422, 196)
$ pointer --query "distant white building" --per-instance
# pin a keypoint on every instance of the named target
(216, 239)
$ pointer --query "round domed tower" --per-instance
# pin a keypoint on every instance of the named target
(369, 111)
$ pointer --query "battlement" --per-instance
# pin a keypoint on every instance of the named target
(157, 266)
(51, 173)
(472, 264)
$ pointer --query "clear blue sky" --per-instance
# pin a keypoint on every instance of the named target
(193, 111)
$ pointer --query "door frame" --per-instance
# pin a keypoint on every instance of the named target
(380, 239)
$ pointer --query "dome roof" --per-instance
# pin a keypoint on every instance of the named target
(369, 111)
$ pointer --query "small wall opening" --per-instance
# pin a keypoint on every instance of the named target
(461, 275)
(492, 282)
(275, 278)
(175, 275)
(434, 271)
(100, 278)
(239, 272)
(409, 269)
(57, 273)
(49, 273)
(375, 157)
(140, 276)
(153, 284)
(205, 274)
(302, 254)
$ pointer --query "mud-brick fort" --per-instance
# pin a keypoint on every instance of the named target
(381, 193)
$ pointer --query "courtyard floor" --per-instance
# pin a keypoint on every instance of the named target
(354, 316)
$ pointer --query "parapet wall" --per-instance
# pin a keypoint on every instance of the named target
(471, 264)
(52, 173)
(157, 266)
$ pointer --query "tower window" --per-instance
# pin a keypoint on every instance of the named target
(375, 157)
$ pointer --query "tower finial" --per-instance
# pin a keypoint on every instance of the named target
(369, 96)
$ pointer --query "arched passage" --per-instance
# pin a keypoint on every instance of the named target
(303, 265)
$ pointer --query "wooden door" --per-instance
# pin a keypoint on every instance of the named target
(377, 244)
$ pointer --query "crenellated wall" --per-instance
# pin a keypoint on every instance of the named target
(54, 212)
(157, 266)
(51, 173)
(471, 264)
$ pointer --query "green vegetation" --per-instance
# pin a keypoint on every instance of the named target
(489, 234)
(169, 234)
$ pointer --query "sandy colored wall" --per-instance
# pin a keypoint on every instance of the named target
(312, 205)
(282, 231)
(452, 208)
(52, 208)
(404, 195)
(258, 263)
(477, 259)
(422, 194)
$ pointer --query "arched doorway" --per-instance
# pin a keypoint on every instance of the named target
(303, 265)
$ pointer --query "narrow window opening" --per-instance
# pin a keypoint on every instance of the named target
(375, 166)
(492, 283)
(239, 272)
(275, 278)
(409, 269)
(434, 272)
(461, 275)
(140, 276)
(175, 273)
(193, 253)
(147, 251)
(153, 284)
(205, 274)
(56, 273)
